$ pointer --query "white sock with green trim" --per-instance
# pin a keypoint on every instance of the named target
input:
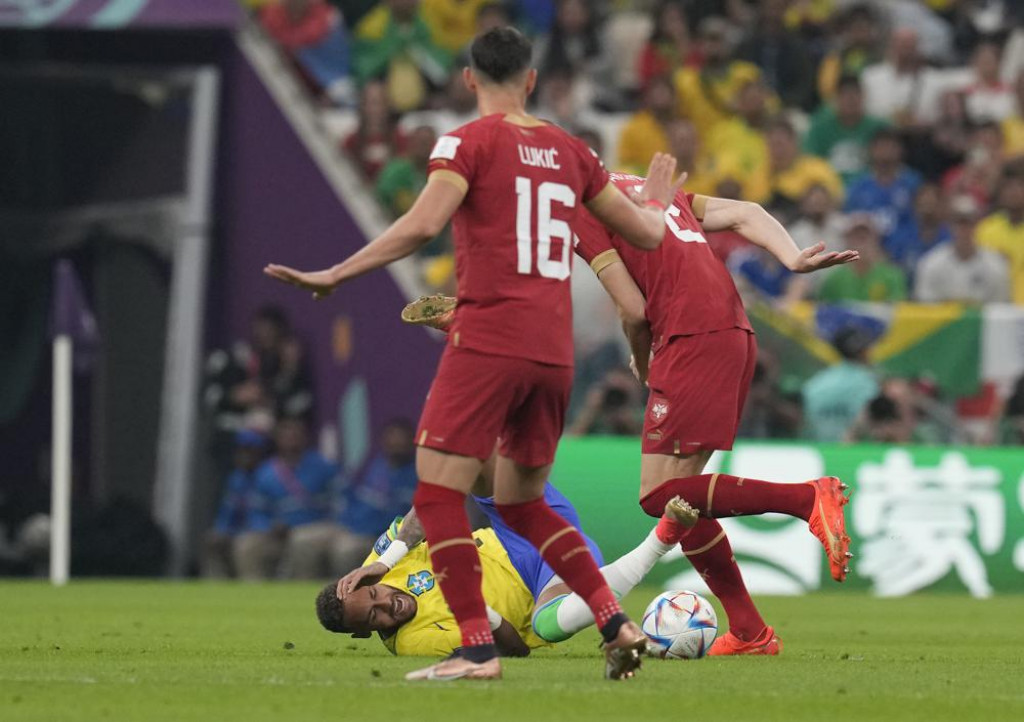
(564, 616)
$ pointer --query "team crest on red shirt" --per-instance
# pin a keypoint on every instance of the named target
(659, 409)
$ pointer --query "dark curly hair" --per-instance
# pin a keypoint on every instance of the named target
(501, 54)
(330, 611)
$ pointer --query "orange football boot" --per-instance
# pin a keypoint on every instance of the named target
(767, 643)
(827, 523)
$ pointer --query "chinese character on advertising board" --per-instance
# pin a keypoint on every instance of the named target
(920, 523)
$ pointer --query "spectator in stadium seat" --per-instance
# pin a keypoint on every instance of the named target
(760, 276)
(564, 99)
(236, 501)
(376, 139)
(295, 24)
(903, 89)
(613, 407)
(645, 133)
(959, 271)
(881, 422)
(684, 144)
(453, 22)
(780, 54)
(401, 180)
(1003, 231)
(817, 220)
(458, 107)
(670, 45)
(393, 43)
(873, 277)
(1013, 127)
(574, 46)
(292, 501)
(834, 397)
(736, 146)
(793, 173)
(931, 226)
(841, 132)
(267, 371)
(978, 174)
(707, 95)
(855, 46)
(382, 492)
(988, 97)
(887, 191)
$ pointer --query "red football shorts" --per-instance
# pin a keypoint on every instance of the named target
(698, 387)
(477, 399)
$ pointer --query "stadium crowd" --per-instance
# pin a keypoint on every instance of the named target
(895, 128)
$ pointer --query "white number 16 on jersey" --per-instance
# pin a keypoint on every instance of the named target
(547, 228)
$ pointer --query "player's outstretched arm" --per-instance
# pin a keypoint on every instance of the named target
(426, 219)
(640, 221)
(508, 641)
(758, 226)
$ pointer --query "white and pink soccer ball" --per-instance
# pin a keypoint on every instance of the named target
(680, 625)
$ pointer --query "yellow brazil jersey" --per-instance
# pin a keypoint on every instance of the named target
(642, 136)
(739, 152)
(708, 100)
(434, 631)
(807, 171)
(1000, 234)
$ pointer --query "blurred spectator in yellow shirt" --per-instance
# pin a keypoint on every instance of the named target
(856, 45)
(793, 173)
(1013, 127)
(1003, 231)
(452, 23)
(684, 144)
(644, 134)
(736, 146)
(708, 95)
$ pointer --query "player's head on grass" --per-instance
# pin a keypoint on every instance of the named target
(499, 59)
(376, 608)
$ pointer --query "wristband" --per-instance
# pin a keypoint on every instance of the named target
(494, 619)
(656, 203)
(395, 552)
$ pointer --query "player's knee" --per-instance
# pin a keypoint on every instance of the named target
(545, 622)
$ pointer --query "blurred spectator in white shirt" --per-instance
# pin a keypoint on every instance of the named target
(960, 271)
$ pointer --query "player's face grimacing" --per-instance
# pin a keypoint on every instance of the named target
(378, 608)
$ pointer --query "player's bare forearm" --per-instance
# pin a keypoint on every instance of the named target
(640, 340)
(758, 226)
(508, 641)
(412, 530)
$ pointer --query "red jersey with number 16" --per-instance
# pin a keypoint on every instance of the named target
(526, 185)
(687, 287)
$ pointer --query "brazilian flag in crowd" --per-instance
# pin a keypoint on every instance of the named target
(941, 343)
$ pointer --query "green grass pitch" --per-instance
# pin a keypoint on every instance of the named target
(221, 652)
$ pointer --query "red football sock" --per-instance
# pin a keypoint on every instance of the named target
(455, 560)
(708, 549)
(565, 551)
(669, 531)
(718, 495)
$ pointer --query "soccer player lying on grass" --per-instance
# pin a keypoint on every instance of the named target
(395, 593)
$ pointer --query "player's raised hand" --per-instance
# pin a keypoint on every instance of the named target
(321, 283)
(813, 259)
(361, 577)
(662, 184)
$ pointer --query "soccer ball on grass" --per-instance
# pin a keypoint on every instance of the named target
(680, 625)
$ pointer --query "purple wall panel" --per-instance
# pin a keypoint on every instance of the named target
(274, 205)
(112, 14)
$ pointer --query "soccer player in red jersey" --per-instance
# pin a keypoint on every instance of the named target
(680, 303)
(513, 186)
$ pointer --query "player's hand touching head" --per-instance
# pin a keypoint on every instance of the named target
(363, 611)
